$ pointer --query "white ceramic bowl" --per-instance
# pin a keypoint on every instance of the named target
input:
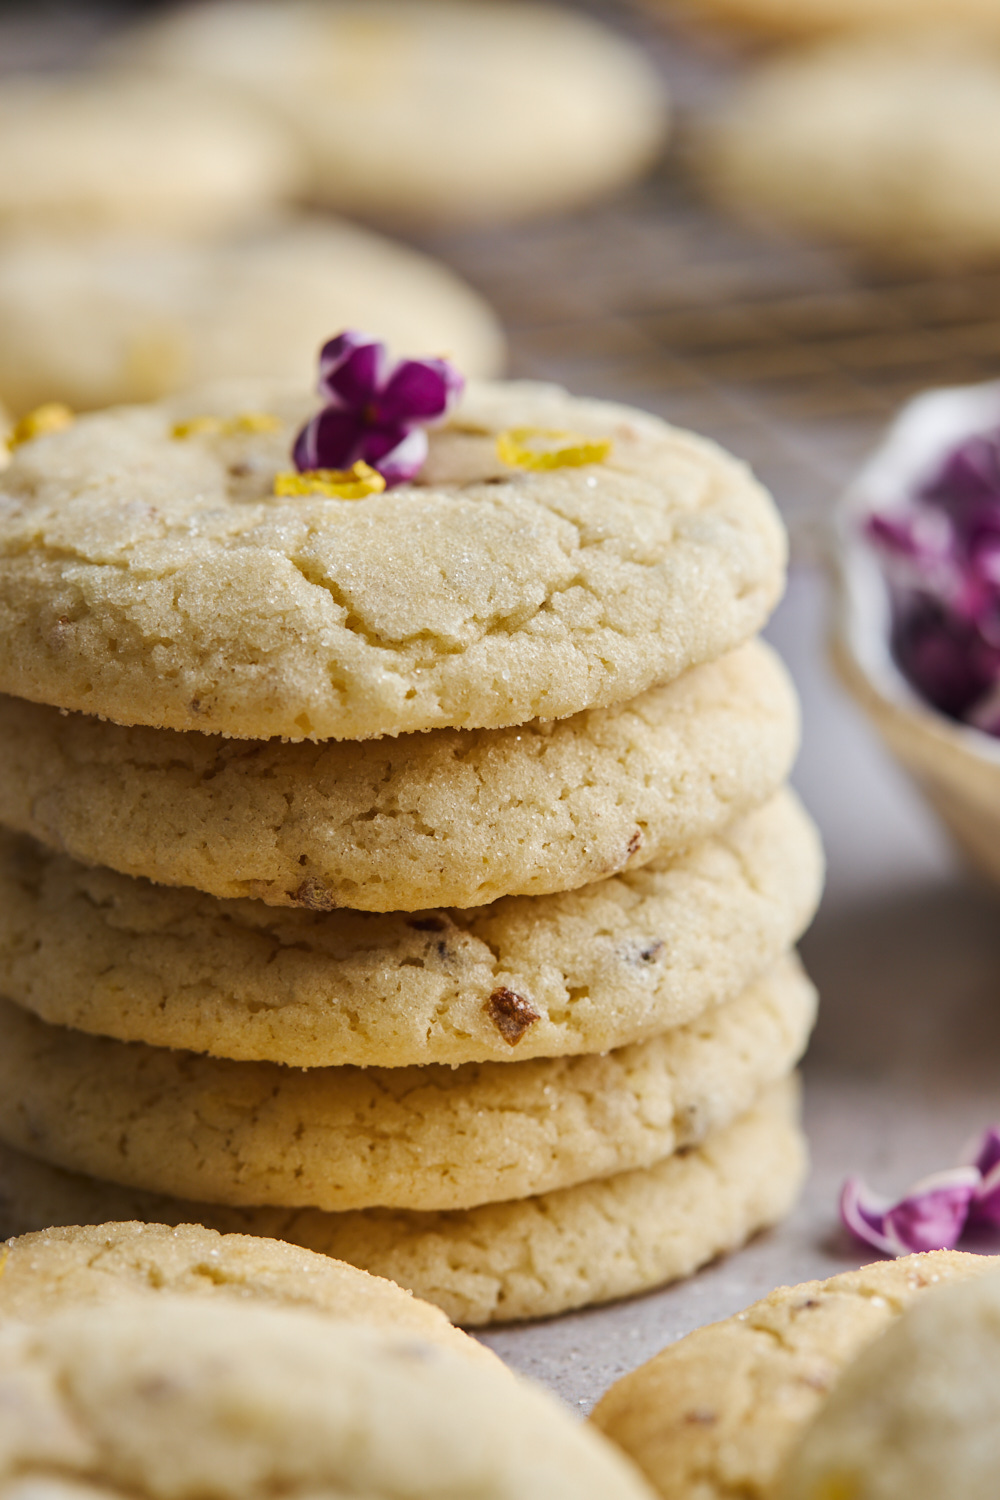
(958, 767)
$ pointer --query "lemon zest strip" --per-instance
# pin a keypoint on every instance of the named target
(837, 1486)
(336, 484)
(246, 421)
(52, 417)
(549, 448)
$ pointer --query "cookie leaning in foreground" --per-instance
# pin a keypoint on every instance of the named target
(175, 1395)
(159, 580)
(105, 1262)
(719, 1412)
(917, 1414)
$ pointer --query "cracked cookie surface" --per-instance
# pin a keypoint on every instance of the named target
(529, 1258)
(446, 818)
(103, 1262)
(160, 581)
(180, 1395)
(716, 1414)
(418, 1138)
(528, 976)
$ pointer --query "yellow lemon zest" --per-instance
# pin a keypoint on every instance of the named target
(247, 421)
(256, 421)
(195, 427)
(4, 1258)
(52, 417)
(837, 1486)
(549, 448)
(336, 484)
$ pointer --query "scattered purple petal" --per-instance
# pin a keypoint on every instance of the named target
(374, 411)
(935, 1212)
(931, 1216)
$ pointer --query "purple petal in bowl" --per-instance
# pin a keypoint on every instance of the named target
(915, 640)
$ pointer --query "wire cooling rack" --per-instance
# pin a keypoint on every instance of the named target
(792, 356)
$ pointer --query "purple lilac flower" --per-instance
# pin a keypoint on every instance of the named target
(931, 1216)
(936, 1211)
(941, 553)
(375, 410)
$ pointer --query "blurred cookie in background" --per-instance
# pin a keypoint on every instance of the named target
(887, 145)
(131, 150)
(114, 318)
(430, 112)
(802, 18)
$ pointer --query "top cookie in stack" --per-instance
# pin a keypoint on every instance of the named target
(156, 579)
(563, 596)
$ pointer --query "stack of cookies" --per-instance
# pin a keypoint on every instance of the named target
(407, 876)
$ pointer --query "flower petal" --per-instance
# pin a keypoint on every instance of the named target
(943, 656)
(940, 550)
(863, 1214)
(330, 440)
(984, 1151)
(398, 460)
(970, 473)
(419, 390)
(984, 1211)
(931, 1216)
(351, 369)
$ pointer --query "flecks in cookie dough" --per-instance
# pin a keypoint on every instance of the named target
(417, 1138)
(502, 1261)
(528, 976)
(445, 818)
